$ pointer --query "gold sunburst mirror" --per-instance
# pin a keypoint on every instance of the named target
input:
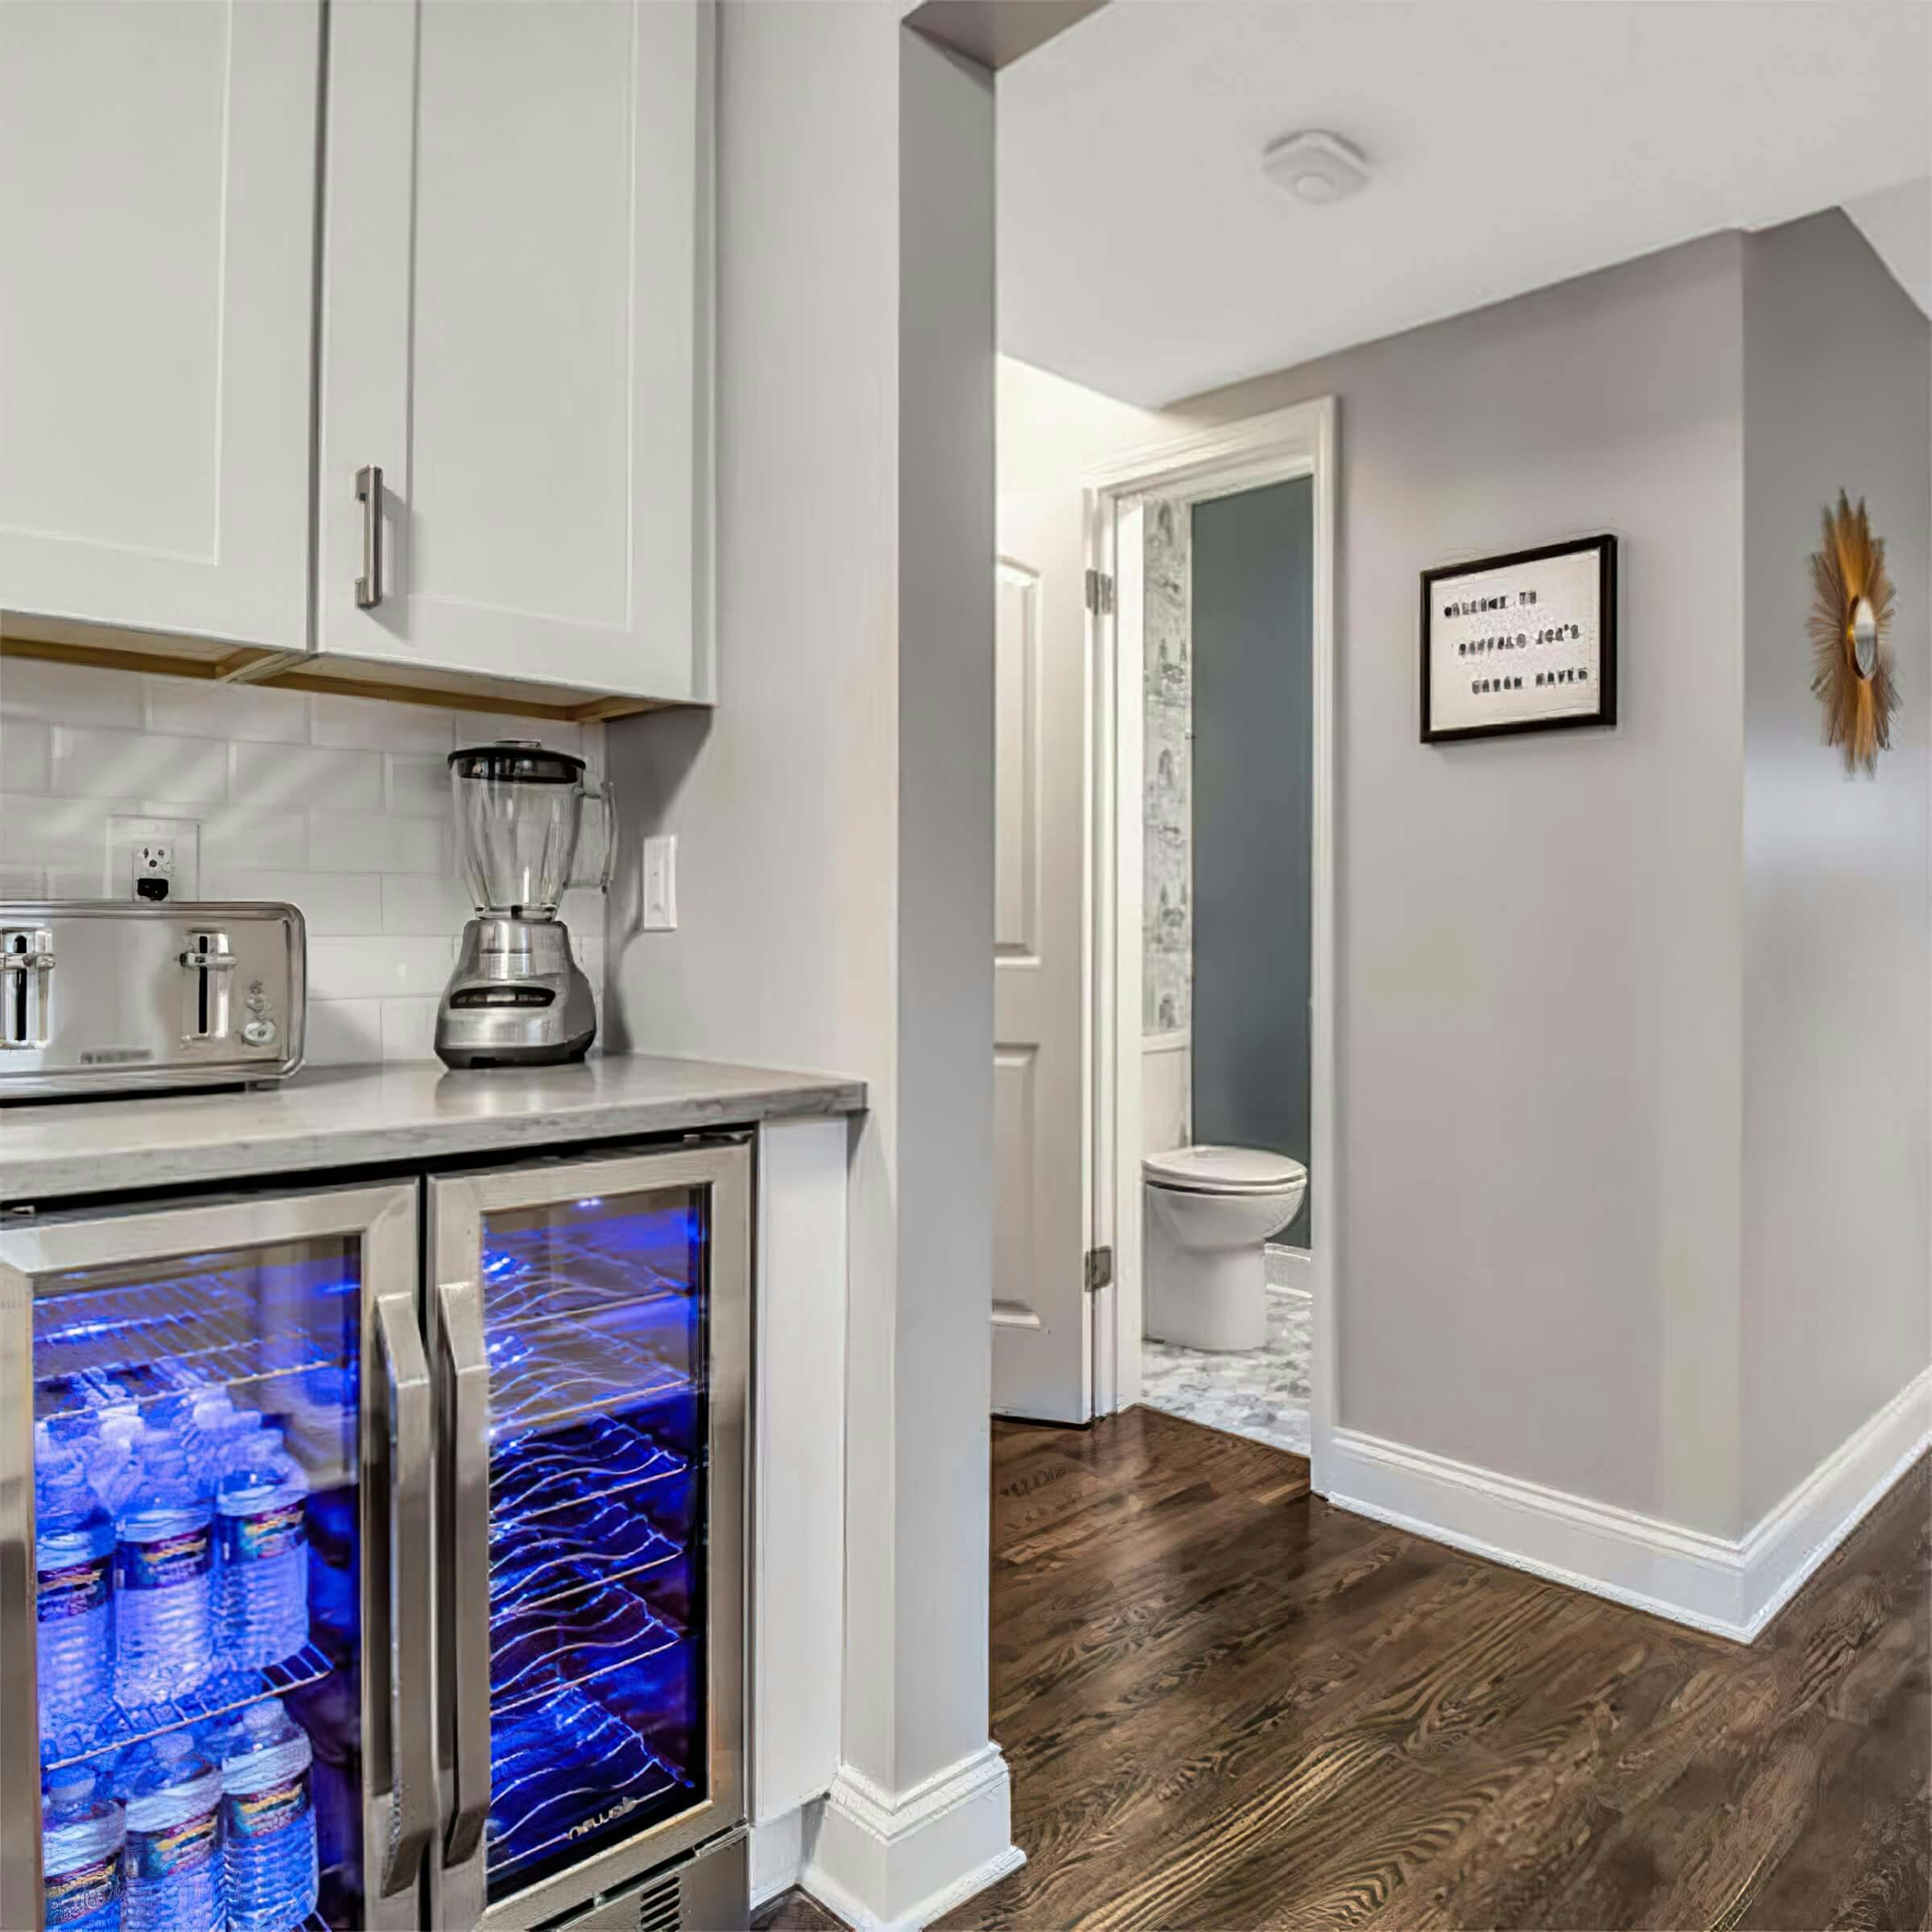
(1851, 606)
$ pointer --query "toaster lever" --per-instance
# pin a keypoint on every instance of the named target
(209, 961)
(27, 960)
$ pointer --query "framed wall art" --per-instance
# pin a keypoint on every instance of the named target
(1526, 641)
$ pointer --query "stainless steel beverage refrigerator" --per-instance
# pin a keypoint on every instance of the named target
(516, 1394)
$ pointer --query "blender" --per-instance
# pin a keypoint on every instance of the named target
(517, 997)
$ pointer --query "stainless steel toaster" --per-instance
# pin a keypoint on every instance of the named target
(99, 995)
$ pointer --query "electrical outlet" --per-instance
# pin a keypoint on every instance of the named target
(155, 861)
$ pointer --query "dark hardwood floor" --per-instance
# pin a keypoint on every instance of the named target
(1227, 1707)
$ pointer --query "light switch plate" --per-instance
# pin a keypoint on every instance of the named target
(661, 883)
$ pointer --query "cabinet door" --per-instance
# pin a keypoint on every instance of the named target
(157, 250)
(515, 330)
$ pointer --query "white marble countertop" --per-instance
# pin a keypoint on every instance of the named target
(333, 1117)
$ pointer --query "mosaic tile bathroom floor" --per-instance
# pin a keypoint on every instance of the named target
(1262, 1393)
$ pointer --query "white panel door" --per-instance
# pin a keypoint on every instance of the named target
(156, 251)
(515, 331)
(1042, 1351)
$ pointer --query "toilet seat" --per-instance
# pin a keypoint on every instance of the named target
(1223, 1170)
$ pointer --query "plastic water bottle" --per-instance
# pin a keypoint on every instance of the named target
(268, 1822)
(262, 1535)
(81, 1830)
(175, 1876)
(162, 1561)
(74, 1563)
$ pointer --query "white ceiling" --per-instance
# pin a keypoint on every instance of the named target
(1515, 144)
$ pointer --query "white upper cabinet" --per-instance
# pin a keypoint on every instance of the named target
(157, 249)
(515, 331)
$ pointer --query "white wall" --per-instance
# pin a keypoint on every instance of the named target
(1539, 938)
(340, 805)
(1838, 954)
(835, 824)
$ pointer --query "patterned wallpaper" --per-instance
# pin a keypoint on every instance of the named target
(1167, 906)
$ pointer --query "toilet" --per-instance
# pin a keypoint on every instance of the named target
(1208, 1212)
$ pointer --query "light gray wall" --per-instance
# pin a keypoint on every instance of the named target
(1538, 1018)
(1252, 633)
(1837, 1313)
(834, 814)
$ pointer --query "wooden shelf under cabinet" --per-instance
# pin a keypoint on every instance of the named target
(112, 648)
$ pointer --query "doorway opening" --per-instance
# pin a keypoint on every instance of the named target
(1211, 1000)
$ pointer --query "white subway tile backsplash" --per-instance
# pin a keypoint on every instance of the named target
(486, 727)
(69, 694)
(583, 912)
(374, 841)
(418, 784)
(411, 903)
(53, 831)
(409, 1029)
(332, 903)
(306, 777)
(227, 711)
(26, 754)
(243, 834)
(341, 805)
(89, 763)
(375, 725)
(344, 1032)
(393, 968)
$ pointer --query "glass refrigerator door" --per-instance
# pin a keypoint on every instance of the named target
(191, 1478)
(594, 1342)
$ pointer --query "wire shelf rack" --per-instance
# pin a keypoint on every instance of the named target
(225, 1692)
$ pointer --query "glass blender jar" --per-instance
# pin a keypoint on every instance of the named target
(516, 996)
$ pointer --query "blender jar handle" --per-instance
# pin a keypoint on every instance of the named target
(608, 792)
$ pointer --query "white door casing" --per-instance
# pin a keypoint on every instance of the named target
(157, 252)
(516, 319)
(1042, 1349)
(1300, 440)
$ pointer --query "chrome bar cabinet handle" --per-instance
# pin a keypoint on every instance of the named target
(412, 1421)
(467, 1370)
(369, 494)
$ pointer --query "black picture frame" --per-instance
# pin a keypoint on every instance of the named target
(1605, 711)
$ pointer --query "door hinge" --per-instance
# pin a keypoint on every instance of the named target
(1099, 593)
(1099, 1269)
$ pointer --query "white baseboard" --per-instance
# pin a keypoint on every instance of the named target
(887, 1863)
(1795, 1538)
(1731, 1588)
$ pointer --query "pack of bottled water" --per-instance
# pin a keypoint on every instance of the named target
(73, 1564)
(82, 1830)
(268, 1821)
(262, 1546)
(175, 1879)
(163, 1580)
(171, 1548)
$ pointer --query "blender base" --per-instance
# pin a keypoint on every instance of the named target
(516, 998)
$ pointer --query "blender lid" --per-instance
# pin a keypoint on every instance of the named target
(521, 760)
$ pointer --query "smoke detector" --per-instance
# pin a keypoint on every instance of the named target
(1314, 166)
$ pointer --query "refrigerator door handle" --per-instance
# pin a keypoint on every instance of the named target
(412, 1421)
(460, 1329)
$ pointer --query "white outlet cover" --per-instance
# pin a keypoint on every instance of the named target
(661, 883)
(126, 835)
